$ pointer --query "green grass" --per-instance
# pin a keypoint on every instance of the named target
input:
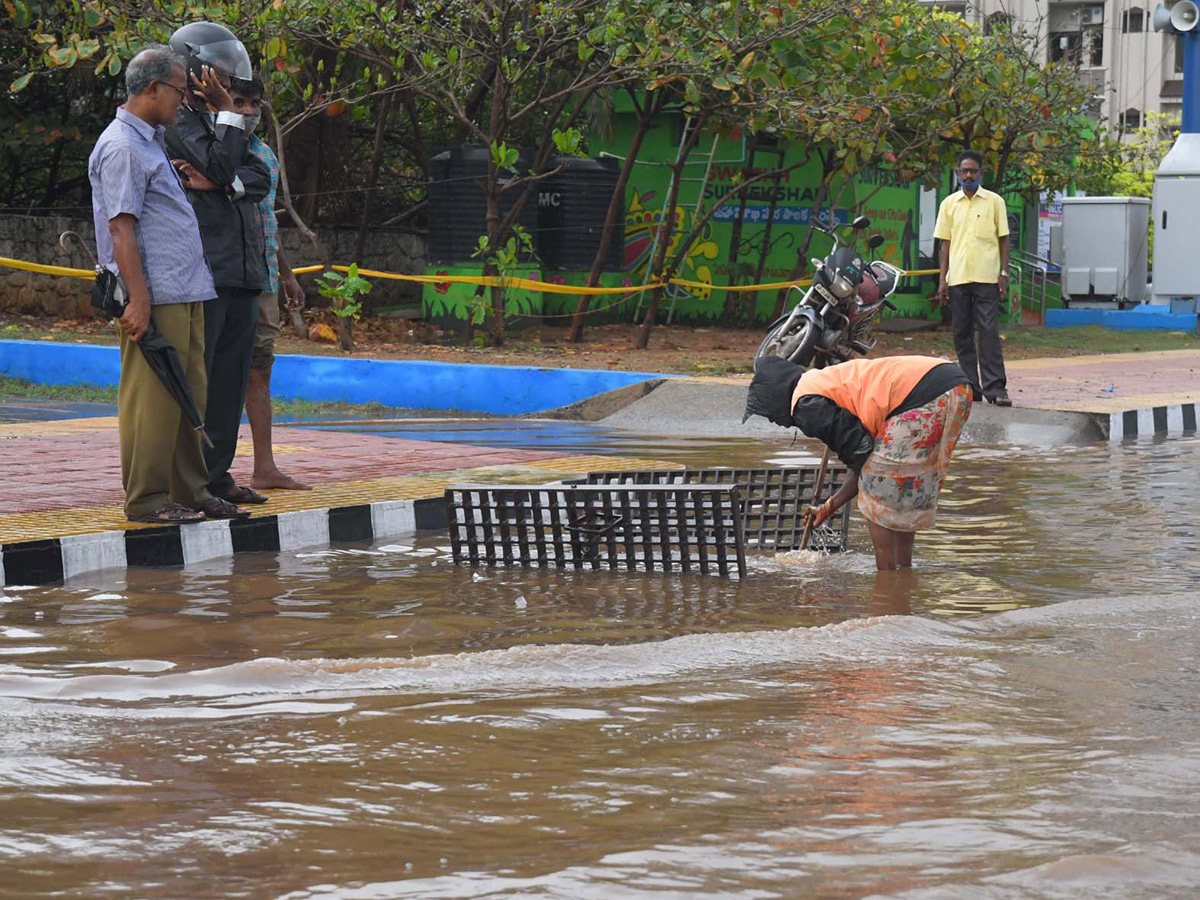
(16, 388)
(1096, 339)
(307, 409)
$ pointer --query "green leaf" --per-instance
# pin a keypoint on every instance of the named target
(20, 83)
(63, 56)
(19, 12)
(114, 65)
(721, 83)
(92, 18)
(87, 49)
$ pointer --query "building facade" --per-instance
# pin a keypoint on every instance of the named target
(1132, 69)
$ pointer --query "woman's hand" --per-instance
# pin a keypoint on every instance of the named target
(821, 514)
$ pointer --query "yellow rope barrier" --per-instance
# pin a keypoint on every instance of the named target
(484, 280)
(46, 270)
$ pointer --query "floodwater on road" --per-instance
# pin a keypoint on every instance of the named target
(1018, 718)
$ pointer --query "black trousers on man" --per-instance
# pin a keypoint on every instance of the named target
(973, 310)
(229, 324)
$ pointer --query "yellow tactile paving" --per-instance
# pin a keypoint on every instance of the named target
(56, 427)
(246, 449)
(44, 525)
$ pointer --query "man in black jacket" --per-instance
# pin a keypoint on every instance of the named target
(223, 181)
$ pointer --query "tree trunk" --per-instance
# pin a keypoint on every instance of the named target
(615, 205)
(732, 310)
(346, 323)
(802, 254)
(495, 129)
(665, 228)
(285, 197)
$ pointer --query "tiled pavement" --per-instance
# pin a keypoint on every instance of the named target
(1106, 384)
(64, 477)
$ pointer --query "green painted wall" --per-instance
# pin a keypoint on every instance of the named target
(894, 209)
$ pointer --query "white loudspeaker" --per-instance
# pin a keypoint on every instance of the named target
(1185, 15)
(1162, 17)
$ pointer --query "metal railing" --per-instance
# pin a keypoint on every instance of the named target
(1034, 270)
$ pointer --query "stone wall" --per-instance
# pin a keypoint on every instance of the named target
(35, 239)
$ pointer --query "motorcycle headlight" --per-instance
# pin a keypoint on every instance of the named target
(841, 286)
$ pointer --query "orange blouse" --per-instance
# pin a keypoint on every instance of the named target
(868, 388)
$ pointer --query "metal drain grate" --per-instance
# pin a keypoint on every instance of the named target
(649, 528)
(774, 501)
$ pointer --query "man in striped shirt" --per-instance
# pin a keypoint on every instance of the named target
(146, 232)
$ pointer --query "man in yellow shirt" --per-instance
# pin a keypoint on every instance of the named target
(972, 225)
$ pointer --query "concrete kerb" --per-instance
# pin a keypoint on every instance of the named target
(714, 409)
(57, 559)
(706, 408)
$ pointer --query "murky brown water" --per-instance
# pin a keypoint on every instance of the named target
(365, 723)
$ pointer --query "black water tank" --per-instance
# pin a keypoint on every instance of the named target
(572, 206)
(457, 211)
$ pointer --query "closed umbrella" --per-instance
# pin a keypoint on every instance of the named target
(109, 297)
(163, 359)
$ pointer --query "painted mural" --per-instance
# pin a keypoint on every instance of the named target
(643, 219)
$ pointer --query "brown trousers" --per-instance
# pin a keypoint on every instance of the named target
(160, 453)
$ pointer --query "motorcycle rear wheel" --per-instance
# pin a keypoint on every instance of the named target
(798, 345)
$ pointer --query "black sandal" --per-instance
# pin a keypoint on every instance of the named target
(216, 508)
(171, 514)
(241, 494)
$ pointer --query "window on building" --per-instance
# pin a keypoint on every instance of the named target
(1095, 44)
(997, 23)
(1131, 120)
(1066, 46)
(1133, 21)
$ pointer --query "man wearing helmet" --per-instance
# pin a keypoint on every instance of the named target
(210, 140)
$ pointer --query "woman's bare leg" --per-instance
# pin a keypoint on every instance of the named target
(893, 549)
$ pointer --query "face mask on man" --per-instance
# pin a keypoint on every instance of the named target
(252, 123)
(969, 184)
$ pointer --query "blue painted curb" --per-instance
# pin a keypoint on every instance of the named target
(408, 384)
(1073, 318)
(1143, 318)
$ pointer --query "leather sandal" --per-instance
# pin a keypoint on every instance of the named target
(216, 508)
(241, 494)
(170, 514)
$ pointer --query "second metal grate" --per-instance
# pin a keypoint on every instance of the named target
(773, 501)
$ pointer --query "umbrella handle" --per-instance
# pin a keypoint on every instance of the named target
(62, 242)
(205, 439)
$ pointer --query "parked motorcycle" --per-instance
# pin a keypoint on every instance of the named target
(834, 317)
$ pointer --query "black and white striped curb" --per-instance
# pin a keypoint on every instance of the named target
(49, 561)
(1175, 419)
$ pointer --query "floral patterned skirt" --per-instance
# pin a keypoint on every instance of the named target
(900, 482)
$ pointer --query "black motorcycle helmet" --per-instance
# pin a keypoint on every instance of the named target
(212, 45)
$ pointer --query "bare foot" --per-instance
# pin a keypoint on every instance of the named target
(277, 481)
